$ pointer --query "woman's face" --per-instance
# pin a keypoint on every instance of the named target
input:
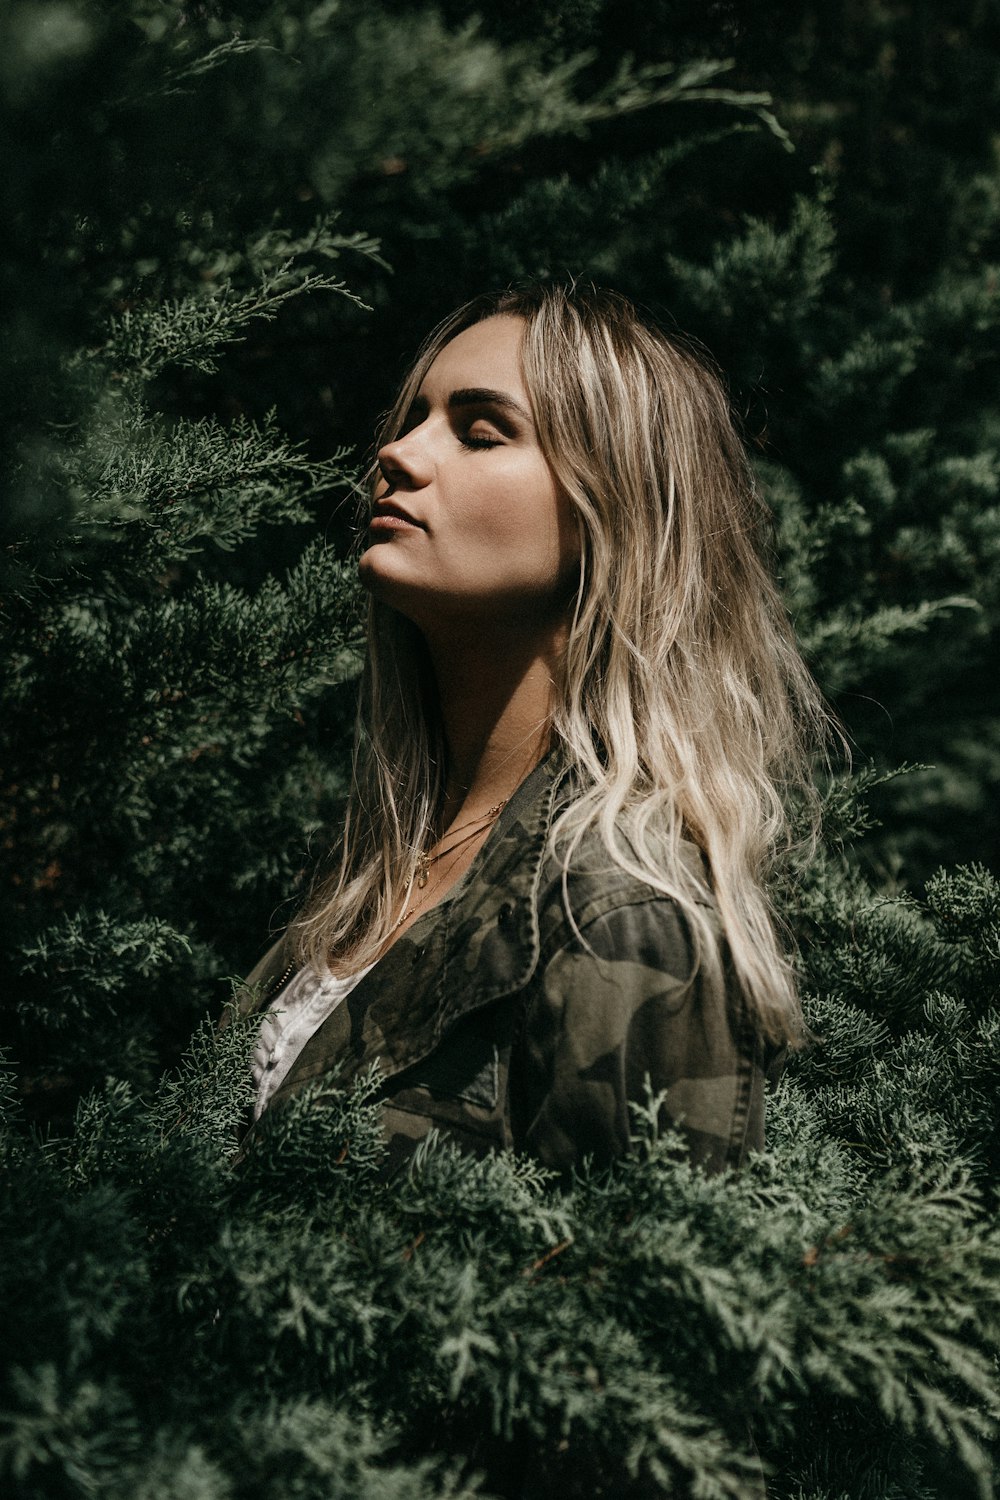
(469, 522)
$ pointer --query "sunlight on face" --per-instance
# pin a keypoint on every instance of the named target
(469, 522)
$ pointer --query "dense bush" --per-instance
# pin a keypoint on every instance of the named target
(225, 231)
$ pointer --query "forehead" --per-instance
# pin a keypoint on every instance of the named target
(487, 354)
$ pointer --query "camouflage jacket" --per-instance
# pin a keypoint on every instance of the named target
(493, 1022)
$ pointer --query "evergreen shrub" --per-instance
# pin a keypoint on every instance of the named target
(200, 310)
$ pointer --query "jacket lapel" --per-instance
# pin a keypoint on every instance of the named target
(479, 944)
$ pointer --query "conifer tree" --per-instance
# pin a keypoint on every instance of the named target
(244, 223)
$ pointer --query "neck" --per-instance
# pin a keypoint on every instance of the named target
(496, 696)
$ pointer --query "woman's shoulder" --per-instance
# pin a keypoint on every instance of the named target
(595, 869)
(583, 886)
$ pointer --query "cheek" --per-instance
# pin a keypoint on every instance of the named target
(521, 548)
(522, 512)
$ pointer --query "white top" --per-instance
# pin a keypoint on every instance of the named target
(304, 1005)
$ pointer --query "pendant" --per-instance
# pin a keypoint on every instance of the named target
(421, 880)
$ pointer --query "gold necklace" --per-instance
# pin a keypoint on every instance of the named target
(424, 861)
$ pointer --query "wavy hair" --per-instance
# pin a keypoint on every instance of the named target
(683, 702)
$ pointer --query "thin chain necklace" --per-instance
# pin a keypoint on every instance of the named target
(477, 825)
(424, 860)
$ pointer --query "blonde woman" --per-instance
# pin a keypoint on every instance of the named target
(581, 715)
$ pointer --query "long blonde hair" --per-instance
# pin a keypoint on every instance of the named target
(684, 704)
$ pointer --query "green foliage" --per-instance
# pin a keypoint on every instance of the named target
(201, 325)
(156, 753)
(607, 1331)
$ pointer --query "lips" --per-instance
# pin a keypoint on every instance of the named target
(388, 513)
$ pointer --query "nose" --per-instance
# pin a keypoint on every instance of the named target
(404, 463)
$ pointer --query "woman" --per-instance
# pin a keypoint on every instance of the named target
(582, 710)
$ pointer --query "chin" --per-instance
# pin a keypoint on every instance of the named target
(380, 582)
(371, 569)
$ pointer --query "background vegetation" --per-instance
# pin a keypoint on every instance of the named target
(226, 229)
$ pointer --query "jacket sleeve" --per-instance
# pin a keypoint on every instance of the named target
(627, 1004)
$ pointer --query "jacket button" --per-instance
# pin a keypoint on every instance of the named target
(505, 913)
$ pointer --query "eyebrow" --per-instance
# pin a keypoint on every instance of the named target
(481, 396)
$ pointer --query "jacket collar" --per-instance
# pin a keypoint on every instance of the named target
(477, 945)
(491, 921)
